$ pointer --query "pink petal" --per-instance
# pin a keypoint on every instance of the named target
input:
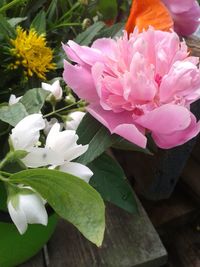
(80, 80)
(182, 80)
(166, 119)
(72, 55)
(179, 137)
(106, 46)
(119, 123)
(86, 54)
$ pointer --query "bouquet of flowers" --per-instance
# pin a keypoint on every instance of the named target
(121, 86)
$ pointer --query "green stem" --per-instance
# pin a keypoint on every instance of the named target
(3, 162)
(10, 5)
(70, 11)
(61, 109)
(5, 174)
(4, 179)
(66, 24)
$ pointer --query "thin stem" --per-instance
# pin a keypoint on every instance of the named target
(4, 179)
(61, 109)
(66, 24)
(70, 11)
(6, 174)
(3, 162)
(10, 5)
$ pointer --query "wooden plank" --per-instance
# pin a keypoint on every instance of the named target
(36, 261)
(191, 177)
(130, 241)
(178, 210)
(183, 245)
(162, 170)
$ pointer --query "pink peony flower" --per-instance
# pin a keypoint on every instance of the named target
(186, 15)
(138, 85)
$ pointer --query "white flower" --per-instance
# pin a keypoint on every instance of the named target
(27, 208)
(49, 124)
(13, 99)
(65, 144)
(74, 120)
(60, 149)
(55, 89)
(26, 133)
(25, 136)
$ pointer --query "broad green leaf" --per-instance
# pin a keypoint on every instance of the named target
(110, 181)
(92, 132)
(52, 10)
(15, 21)
(70, 197)
(112, 31)
(86, 37)
(34, 99)
(6, 29)
(39, 22)
(123, 144)
(13, 114)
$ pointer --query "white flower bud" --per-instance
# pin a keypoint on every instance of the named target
(26, 207)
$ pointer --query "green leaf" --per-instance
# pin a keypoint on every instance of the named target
(112, 31)
(15, 21)
(34, 99)
(110, 181)
(52, 10)
(39, 22)
(13, 114)
(70, 197)
(108, 9)
(92, 132)
(86, 37)
(6, 29)
(123, 144)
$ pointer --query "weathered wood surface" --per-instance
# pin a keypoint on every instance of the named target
(176, 211)
(183, 246)
(191, 178)
(130, 241)
(157, 180)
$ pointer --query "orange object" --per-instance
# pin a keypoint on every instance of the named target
(145, 13)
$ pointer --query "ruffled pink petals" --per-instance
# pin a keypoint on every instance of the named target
(179, 137)
(120, 123)
(182, 80)
(80, 80)
(166, 119)
(86, 54)
(107, 46)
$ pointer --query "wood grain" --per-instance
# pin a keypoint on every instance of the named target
(130, 241)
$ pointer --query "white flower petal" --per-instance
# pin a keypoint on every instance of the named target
(18, 217)
(13, 99)
(54, 88)
(39, 157)
(49, 124)
(74, 120)
(34, 209)
(27, 132)
(75, 151)
(78, 170)
(60, 141)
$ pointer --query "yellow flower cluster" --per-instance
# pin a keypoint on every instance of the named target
(31, 52)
